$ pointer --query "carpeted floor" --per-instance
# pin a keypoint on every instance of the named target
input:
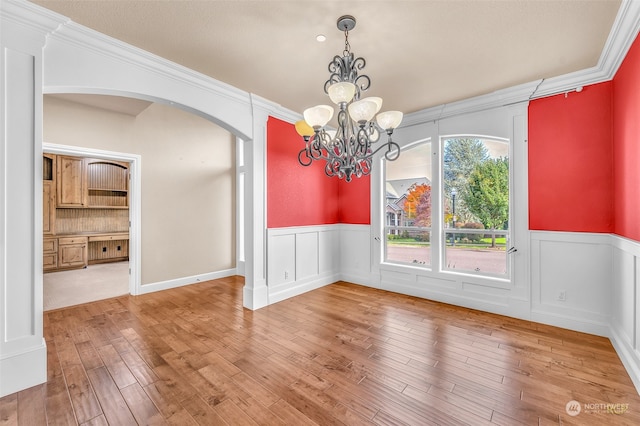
(96, 282)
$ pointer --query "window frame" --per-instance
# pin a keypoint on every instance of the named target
(443, 268)
(502, 122)
(383, 163)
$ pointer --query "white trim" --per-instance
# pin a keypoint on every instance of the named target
(304, 229)
(180, 282)
(630, 358)
(135, 203)
(571, 322)
(625, 244)
(621, 37)
(280, 293)
(626, 305)
(23, 369)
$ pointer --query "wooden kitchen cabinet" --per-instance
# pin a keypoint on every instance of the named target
(72, 252)
(71, 189)
(83, 218)
(49, 254)
(79, 251)
(48, 194)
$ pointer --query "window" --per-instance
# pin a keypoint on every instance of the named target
(475, 200)
(452, 212)
(407, 197)
(470, 231)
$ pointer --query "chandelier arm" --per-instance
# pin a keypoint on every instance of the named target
(363, 144)
(308, 161)
(317, 148)
(392, 148)
(364, 167)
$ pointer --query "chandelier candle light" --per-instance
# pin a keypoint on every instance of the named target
(349, 149)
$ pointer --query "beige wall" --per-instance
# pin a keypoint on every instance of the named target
(188, 180)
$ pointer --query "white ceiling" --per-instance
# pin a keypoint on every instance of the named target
(419, 53)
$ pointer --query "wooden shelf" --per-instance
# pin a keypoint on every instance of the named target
(107, 184)
(108, 190)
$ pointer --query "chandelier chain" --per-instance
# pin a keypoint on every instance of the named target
(347, 46)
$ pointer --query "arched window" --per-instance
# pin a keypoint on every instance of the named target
(454, 204)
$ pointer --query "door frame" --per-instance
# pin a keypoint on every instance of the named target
(135, 216)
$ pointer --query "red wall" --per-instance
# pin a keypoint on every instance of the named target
(302, 196)
(626, 147)
(296, 195)
(570, 161)
(355, 201)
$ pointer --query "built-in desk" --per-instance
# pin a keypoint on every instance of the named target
(75, 251)
(108, 248)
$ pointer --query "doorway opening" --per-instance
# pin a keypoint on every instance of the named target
(90, 223)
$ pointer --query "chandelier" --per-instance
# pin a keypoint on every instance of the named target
(349, 149)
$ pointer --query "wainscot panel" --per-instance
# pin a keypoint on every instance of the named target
(307, 255)
(571, 280)
(355, 254)
(300, 259)
(625, 318)
(281, 262)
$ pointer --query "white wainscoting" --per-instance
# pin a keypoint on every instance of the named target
(580, 265)
(300, 259)
(356, 258)
(625, 301)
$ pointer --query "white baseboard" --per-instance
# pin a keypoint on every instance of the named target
(179, 282)
(570, 322)
(23, 370)
(629, 357)
(282, 292)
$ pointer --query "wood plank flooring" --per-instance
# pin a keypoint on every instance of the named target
(343, 354)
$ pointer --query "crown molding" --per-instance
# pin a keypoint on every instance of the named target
(274, 109)
(499, 98)
(31, 16)
(622, 35)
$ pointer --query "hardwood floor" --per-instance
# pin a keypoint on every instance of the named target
(343, 354)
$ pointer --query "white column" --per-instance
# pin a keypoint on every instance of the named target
(23, 353)
(255, 292)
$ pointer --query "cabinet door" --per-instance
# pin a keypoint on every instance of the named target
(48, 167)
(70, 181)
(72, 255)
(48, 208)
(49, 261)
(49, 254)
